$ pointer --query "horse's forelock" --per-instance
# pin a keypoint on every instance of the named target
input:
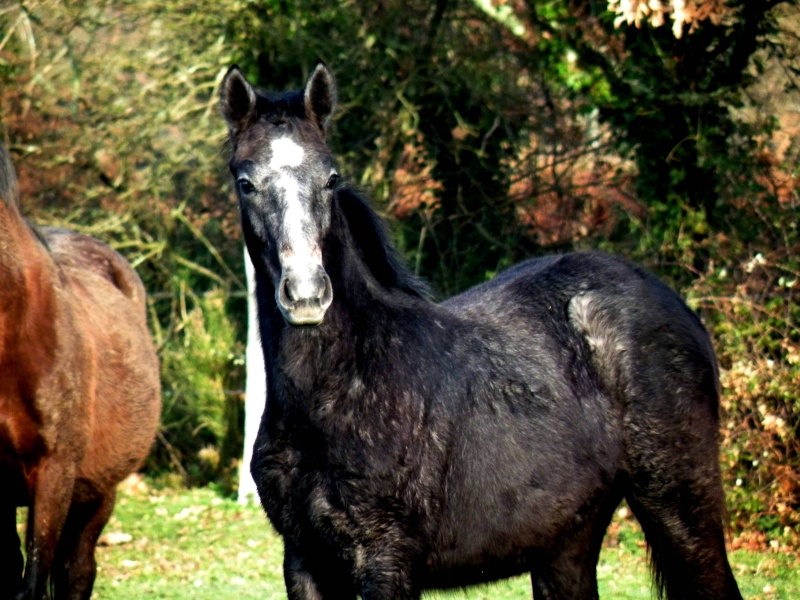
(272, 106)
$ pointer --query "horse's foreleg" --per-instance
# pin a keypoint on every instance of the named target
(386, 570)
(11, 565)
(75, 567)
(54, 482)
(315, 577)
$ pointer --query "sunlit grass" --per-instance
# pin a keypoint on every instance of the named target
(194, 544)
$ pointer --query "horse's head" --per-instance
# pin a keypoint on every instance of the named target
(285, 179)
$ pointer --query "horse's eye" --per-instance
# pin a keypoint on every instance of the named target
(332, 181)
(245, 186)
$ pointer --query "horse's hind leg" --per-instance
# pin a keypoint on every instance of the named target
(687, 551)
(572, 575)
(75, 567)
(12, 563)
(676, 495)
(687, 546)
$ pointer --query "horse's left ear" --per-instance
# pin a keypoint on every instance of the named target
(320, 96)
(237, 99)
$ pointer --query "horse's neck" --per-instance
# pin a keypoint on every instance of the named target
(314, 357)
(362, 308)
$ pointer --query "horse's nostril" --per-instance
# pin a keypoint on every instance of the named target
(285, 295)
(326, 291)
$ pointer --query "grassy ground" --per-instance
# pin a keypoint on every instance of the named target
(193, 544)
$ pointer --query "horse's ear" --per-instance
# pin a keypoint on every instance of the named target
(237, 99)
(320, 96)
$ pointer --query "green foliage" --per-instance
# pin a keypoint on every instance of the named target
(752, 305)
(201, 366)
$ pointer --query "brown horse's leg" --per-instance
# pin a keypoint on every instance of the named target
(11, 563)
(75, 568)
(53, 493)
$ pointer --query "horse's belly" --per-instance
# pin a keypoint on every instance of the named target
(504, 507)
(476, 572)
(502, 528)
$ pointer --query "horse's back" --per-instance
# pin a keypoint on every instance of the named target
(616, 308)
(557, 278)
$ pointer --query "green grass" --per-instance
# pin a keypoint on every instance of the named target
(193, 544)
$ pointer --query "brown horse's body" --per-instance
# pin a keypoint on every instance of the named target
(79, 397)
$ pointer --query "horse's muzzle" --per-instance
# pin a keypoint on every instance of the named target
(303, 299)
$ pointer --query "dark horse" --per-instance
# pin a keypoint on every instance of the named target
(79, 397)
(409, 445)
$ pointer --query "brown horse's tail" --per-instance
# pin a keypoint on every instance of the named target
(9, 192)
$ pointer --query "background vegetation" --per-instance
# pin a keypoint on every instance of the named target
(486, 131)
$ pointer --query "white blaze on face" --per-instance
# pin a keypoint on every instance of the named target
(286, 153)
(301, 254)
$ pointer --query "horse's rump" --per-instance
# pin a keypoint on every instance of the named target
(81, 253)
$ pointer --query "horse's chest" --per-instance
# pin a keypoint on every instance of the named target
(296, 489)
(316, 492)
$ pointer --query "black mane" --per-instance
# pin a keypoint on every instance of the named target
(280, 105)
(9, 194)
(370, 236)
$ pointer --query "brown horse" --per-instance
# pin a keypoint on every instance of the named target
(79, 397)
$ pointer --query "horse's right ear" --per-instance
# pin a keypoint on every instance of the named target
(319, 96)
(237, 99)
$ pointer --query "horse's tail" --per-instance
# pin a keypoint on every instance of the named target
(9, 191)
